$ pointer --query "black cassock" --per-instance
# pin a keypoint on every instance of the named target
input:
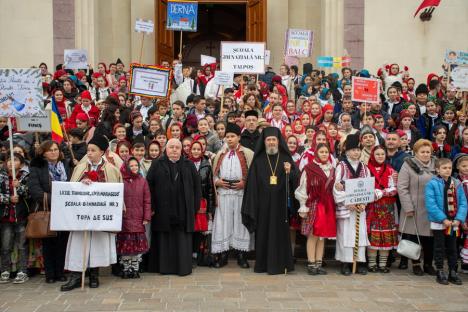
(265, 210)
(175, 197)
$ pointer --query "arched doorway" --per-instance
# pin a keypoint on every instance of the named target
(218, 20)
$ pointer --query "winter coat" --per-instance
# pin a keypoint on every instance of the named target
(161, 200)
(397, 160)
(79, 150)
(21, 209)
(249, 139)
(137, 199)
(207, 184)
(93, 115)
(434, 194)
(425, 125)
(412, 180)
(39, 181)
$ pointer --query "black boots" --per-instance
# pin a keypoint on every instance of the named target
(93, 277)
(403, 263)
(346, 269)
(441, 277)
(73, 282)
(453, 278)
(221, 260)
(242, 260)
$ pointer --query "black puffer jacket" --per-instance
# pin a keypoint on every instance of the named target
(21, 209)
(207, 184)
(39, 181)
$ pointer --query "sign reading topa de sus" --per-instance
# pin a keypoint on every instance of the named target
(243, 57)
(80, 207)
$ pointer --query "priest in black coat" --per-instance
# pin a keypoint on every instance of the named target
(175, 198)
(269, 200)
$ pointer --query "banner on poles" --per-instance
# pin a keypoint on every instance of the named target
(206, 59)
(333, 61)
(150, 80)
(456, 57)
(299, 42)
(80, 207)
(359, 191)
(21, 92)
(34, 124)
(144, 26)
(365, 90)
(459, 76)
(224, 78)
(182, 15)
(75, 59)
(243, 57)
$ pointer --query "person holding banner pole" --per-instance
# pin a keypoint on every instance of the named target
(351, 227)
(50, 165)
(98, 249)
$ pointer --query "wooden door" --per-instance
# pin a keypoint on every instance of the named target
(257, 20)
(165, 38)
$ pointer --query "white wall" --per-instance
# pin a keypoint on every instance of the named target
(392, 35)
(26, 33)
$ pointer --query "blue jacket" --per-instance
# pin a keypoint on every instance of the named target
(434, 195)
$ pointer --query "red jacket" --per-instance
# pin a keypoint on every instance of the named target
(137, 199)
(93, 115)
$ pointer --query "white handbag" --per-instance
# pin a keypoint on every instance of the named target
(408, 248)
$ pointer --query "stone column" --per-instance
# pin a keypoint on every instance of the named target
(332, 27)
(64, 28)
(86, 28)
(278, 23)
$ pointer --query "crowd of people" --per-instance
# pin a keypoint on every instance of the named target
(208, 171)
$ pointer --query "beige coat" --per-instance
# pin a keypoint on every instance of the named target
(411, 187)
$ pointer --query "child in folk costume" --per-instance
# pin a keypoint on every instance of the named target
(351, 227)
(317, 206)
(101, 248)
(461, 164)
(446, 208)
(132, 241)
(381, 228)
(231, 166)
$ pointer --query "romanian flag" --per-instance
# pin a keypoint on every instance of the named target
(56, 123)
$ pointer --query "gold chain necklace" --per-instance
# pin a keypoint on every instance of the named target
(273, 177)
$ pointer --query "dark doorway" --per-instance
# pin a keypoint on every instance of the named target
(216, 23)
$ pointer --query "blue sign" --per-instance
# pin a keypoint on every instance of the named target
(182, 15)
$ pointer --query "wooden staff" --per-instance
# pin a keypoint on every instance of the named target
(36, 135)
(141, 48)
(356, 239)
(222, 96)
(12, 159)
(464, 94)
(180, 46)
(85, 258)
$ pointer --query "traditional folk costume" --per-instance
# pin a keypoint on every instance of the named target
(381, 226)
(132, 241)
(228, 231)
(315, 195)
(101, 247)
(350, 223)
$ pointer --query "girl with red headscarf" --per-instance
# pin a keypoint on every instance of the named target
(380, 215)
(317, 206)
(299, 131)
(320, 136)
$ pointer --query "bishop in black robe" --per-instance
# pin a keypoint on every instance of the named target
(266, 206)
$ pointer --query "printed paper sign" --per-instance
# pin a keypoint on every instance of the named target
(75, 59)
(34, 124)
(223, 78)
(21, 92)
(80, 207)
(299, 42)
(243, 57)
(365, 90)
(151, 81)
(182, 15)
(459, 76)
(333, 61)
(144, 26)
(456, 57)
(206, 59)
(359, 191)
